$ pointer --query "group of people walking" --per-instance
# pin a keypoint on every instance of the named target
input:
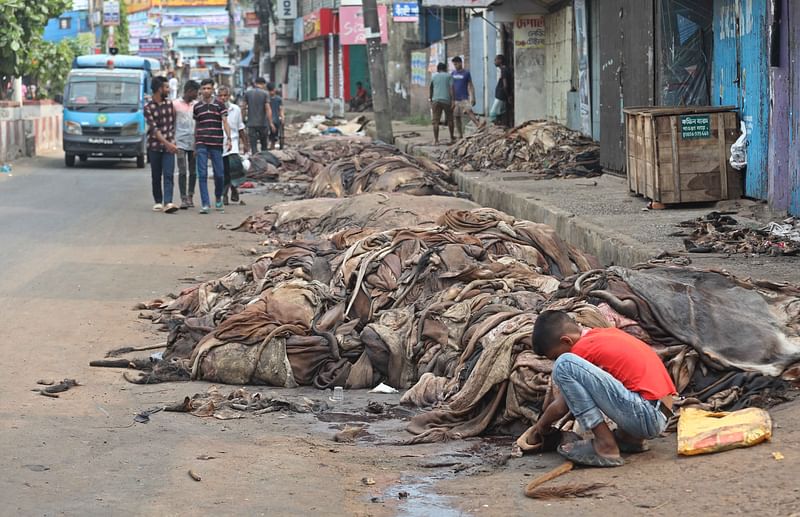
(201, 126)
(453, 95)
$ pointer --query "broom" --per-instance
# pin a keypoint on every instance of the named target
(536, 491)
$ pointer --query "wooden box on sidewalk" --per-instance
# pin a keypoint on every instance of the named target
(680, 154)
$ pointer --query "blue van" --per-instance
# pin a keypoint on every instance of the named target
(104, 107)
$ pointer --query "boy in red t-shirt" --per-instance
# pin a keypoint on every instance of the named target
(598, 372)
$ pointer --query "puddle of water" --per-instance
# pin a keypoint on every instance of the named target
(422, 500)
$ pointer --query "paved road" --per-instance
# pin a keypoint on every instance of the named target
(79, 247)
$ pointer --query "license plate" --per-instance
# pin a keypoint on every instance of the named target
(106, 141)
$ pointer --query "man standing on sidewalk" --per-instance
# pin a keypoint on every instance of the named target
(276, 108)
(184, 139)
(160, 116)
(464, 93)
(211, 127)
(441, 97)
(258, 115)
(503, 93)
(237, 136)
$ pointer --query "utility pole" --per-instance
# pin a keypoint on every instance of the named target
(232, 42)
(377, 72)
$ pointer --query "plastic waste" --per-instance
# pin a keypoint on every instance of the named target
(383, 388)
(338, 394)
(702, 432)
(5, 168)
(738, 158)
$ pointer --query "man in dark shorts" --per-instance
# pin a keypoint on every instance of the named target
(503, 93)
(441, 97)
(160, 116)
(258, 114)
(276, 107)
(602, 372)
(211, 129)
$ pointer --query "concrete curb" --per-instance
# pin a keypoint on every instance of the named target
(610, 247)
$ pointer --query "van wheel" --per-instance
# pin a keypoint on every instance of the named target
(69, 159)
(140, 161)
(83, 158)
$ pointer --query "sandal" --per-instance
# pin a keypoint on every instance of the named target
(583, 453)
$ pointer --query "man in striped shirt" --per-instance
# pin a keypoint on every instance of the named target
(211, 126)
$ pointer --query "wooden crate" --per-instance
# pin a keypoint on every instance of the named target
(680, 155)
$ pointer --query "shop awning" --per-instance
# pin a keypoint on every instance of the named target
(245, 61)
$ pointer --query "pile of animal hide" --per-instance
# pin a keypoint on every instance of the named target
(721, 233)
(304, 161)
(544, 148)
(446, 311)
(345, 166)
(399, 173)
(368, 212)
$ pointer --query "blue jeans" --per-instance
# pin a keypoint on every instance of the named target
(591, 392)
(205, 152)
(162, 165)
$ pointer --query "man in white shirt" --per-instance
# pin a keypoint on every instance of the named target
(238, 138)
(173, 86)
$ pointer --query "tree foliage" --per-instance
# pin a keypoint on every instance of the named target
(121, 33)
(50, 65)
(21, 29)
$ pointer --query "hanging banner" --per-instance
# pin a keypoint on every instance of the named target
(582, 44)
(419, 62)
(351, 25)
(287, 9)
(529, 31)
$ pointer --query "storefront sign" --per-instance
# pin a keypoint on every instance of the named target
(351, 25)
(251, 19)
(457, 3)
(317, 24)
(287, 9)
(529, 31)
(419, 61)
(405, 11)
(207, 20)
(151, 47)
(695, 127)
(110, 13)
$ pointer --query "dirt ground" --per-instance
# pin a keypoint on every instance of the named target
(81, 248)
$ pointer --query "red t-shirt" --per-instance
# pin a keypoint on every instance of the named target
(628, 359)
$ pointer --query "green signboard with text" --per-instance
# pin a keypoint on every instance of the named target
(694, 127)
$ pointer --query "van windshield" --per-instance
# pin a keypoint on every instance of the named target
(114, 93)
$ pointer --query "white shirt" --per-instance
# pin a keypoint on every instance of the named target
(173, 88)
(237, 124)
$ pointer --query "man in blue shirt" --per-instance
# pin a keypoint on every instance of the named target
(464, 93)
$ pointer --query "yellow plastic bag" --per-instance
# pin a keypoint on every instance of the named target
(701, 432)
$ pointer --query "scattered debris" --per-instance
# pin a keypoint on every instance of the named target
(402, 495)
(349, 434)
(777, 456)
(367, 481)
(383, 388)
(545, 149)
(194, 475)
(53, 389)
(37, 468)
(721, 233)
